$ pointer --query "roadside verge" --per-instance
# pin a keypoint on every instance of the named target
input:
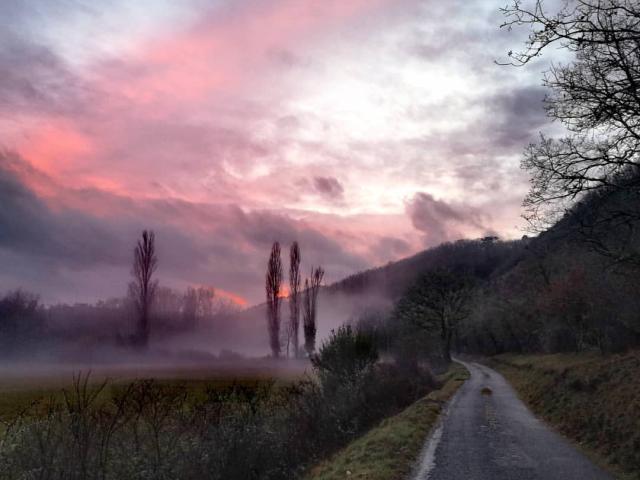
(390, 450)
(592, 399)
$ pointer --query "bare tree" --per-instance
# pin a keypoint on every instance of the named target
(272, 286)
(440, 303)
(311, 290)
(596, 96)
(206, 296)
(190, 308)
(294, 297)
(143, 288)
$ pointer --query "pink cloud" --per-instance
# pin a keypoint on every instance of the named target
(160, 111)
(225, 52)
(189, 132)
(57, 146)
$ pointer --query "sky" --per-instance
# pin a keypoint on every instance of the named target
(367, 130)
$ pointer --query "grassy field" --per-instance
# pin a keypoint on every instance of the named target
(389, 451)
(590, 398)
(216, 424)
(30, 390)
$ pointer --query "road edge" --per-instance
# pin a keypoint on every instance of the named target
(398, 441)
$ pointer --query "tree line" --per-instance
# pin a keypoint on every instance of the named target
(302, 300)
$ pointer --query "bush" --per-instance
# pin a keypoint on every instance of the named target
(345, 357)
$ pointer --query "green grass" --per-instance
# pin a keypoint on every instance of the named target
(390, 450)
(590, 398)
(29, 396)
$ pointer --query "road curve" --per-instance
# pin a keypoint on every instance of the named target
(494, 437)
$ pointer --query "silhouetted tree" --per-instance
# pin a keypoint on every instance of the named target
(190, 308)
(143, 288)
(596, 96)
(205, 302)
(21, 318)
(294, 297)
(311, 290)
(438, 302)
(273, 282)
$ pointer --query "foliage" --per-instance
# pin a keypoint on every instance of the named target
(436, 304)
(560, 297)
(152, 430)
(389, 450)
(345, 356)
(21, 320)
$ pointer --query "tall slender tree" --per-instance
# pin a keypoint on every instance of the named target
(294, 296)
(311, 290)
(143, 288)
(272, 287)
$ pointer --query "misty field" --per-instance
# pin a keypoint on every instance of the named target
(25, 390)
(259, 419)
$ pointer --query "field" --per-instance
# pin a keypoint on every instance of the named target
(23, 387)
(152, 422)
(252, 419)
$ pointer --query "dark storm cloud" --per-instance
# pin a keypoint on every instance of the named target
(30, 227)
(516, 116)
(440, 221)
(328, 187)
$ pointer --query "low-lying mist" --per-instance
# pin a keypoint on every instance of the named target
(191, 334)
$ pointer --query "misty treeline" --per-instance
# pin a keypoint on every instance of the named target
(253, 429)
(305, 301)
(27, 326)
(552, 293)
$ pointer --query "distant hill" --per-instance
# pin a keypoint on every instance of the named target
(483, 258)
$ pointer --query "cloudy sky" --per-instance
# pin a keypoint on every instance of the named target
(365, 129)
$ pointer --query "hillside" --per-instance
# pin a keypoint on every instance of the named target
(374, 291)
(590, 398)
